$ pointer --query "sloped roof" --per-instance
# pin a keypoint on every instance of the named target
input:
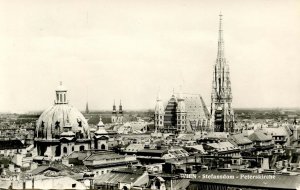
(78, 154)
(198, 147)
(181, 183)
(259, 136)
(276, 131)
(42, 169)
(222, 146)
(11, 144)
(240, 139)
(134, 147)
(115, 178)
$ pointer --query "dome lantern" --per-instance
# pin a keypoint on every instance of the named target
(61, 94)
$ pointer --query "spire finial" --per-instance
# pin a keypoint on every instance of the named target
(220, 55)
(60, 83)
(120, 102)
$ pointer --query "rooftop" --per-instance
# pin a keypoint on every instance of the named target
(240, 139)
(260, 136)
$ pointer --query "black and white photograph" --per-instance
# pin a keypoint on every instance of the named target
(150, 95)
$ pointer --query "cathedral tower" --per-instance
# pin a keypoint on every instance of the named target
(221, 97)
(181, 114)
(114, 114)
(159, 114)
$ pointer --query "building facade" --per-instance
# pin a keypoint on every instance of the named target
(117, 116)
(221, 96)
(183, 113)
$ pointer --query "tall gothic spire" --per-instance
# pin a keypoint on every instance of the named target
(220, 55)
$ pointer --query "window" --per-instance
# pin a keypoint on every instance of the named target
(103, 147)
(73, 185)
(65, 150)
(81, 148)
(72, 148)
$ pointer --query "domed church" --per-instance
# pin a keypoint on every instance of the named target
(61, 129)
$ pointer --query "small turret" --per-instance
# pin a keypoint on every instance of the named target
(114, 108)
(120, 108)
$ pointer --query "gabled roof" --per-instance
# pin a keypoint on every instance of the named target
(259, 136)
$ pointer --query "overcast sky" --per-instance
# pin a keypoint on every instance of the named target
(106, 50)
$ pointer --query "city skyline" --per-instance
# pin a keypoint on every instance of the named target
(106, 51)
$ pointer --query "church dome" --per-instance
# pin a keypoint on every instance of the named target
(52, 121)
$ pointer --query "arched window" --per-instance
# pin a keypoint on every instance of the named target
(125, 188)
(65, 150)
(81, 148)
(57, 151)
(72, 148)
(103, 147)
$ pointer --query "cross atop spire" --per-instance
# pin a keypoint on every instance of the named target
(220, 55)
